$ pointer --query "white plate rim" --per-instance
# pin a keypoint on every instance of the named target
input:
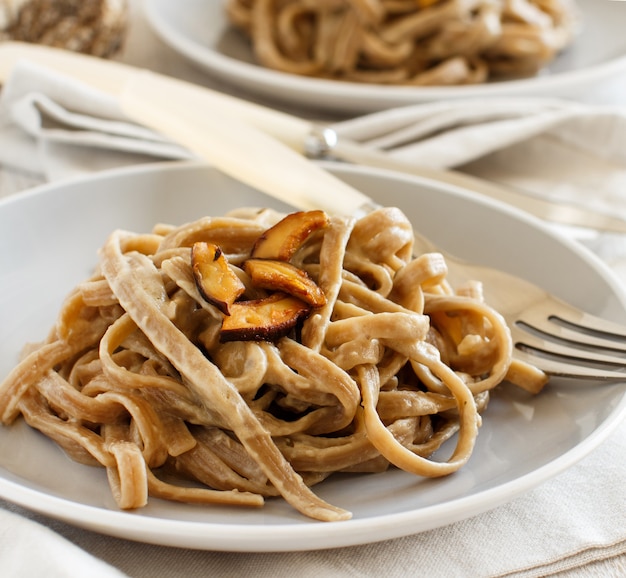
(310, 535)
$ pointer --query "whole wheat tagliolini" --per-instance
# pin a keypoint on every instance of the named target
(253, 355)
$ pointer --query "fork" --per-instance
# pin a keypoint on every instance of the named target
(301, 134)
(558, 338)
(547, 332)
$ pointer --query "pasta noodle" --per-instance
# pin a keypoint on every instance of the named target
(411, 42)
(138, 377)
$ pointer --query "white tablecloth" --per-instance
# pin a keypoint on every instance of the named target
(587, 553)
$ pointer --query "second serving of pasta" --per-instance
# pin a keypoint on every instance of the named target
(412, 42)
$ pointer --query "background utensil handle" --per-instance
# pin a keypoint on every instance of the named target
(238, 149)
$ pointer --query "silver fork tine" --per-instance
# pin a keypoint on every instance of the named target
(568, 367)
(566, 323)
(590, 322)
(523, 339)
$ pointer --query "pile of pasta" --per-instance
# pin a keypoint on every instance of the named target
(139, 376)
(412, 42)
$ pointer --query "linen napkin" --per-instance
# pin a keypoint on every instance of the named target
(57, 127)
(558, 149)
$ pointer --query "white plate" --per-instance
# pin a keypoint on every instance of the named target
(48, 242)
(198, 30)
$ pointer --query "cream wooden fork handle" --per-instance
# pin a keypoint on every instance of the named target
(240, 150)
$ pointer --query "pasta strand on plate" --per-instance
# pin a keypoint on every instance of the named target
(184, 392)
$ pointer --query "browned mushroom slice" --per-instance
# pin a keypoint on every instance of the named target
(215, 280)
(263, 319)
(285, 277)
(281, 241)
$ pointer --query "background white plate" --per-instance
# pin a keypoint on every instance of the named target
(48, 243)
(198, 30)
